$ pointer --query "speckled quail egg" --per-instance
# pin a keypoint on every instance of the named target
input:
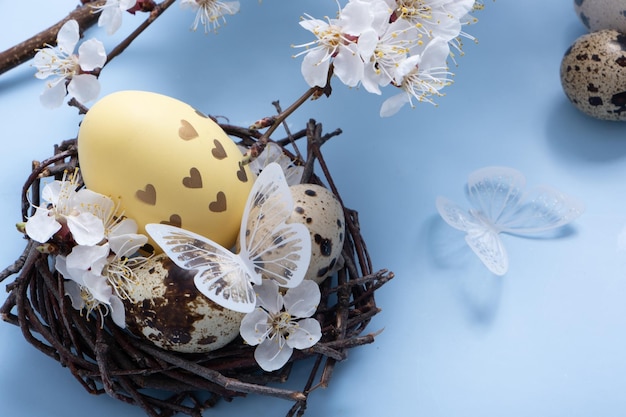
(165, 308)
(593, 74)
(320, 211)
(602, 14)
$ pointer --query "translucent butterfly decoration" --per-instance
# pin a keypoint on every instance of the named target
(501, 205)
(269, 247)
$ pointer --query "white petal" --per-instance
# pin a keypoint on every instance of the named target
(87, 258)
(302, 301)
(118, 313)
(54, 94)
(111, 19)
(315, 67)
(89, 201)
(255, 326)
(73, 290)
(125, 227)
(126, 245)
(91, 54)
(367, 44)
(435, 54)
(356, 17)
(86, 228)
(42, 226)
(51, 192)
(372, 79)
(307, 333)
(268, 296)
(98, 287)
(406, 66)
(85, 87)
(68, 36)
(270, 356)
(393, 104)
(60, 265)
(314, 25)
(349, 66)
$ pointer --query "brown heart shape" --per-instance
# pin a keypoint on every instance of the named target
(218, 205)
(186, 131)
(147, 195)
(218, 152)
(241, 174)
(174, 220)
(194, 180)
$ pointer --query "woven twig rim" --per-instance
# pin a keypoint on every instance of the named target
(105, 359)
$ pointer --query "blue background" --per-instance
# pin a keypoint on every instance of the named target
(547, 339)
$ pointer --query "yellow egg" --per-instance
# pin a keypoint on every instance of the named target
(165, 162)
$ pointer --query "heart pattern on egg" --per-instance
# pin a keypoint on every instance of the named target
(218, 152)
(218, 205)
(147, 195)
(194, 180)
(186, 131)
(174, 220)
(241, 174)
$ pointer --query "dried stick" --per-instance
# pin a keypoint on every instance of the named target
(26, 50)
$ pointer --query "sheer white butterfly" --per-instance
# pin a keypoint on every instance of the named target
(500, 205)
(269, 247)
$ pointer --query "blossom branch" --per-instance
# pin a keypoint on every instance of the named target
(154, 14)
(259, 145)
(27, 49)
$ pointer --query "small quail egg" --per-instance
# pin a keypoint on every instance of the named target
(602, 14)
(165, 308)
(593, 74)
(320, 211)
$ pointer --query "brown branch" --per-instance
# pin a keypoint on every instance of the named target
(26, 50)
(154, 14)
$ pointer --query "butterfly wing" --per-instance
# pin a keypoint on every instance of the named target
(487, 245)
(454, 215)
(542, 209)
(221, 275)
(496, 192)
(480, 235)
(273, 248)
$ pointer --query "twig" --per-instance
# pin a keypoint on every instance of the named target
(27, 49)
(154, 14)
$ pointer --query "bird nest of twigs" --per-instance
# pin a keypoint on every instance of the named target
(107, 359)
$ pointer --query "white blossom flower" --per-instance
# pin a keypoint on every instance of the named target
(210, 12)
(435, 18)
(75, 210)
(87, 287)
(71, 71)
(420, 77)
(337, 41)
(391, 47)
(276, 332)
(98, 276)
(111, 14)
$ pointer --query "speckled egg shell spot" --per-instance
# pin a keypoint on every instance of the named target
(602, 14)
(166, 308)
(320, 211)
(593, 74)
